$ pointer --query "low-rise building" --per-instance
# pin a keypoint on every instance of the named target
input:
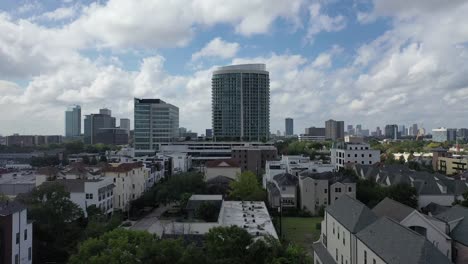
(253, 158)
(346, 154)
(452, 165)
(87, 192)
(16, 233)
(227, 168)
(282, 191)
(129, 180)
(352, 233)
(318, 190)
(17, 182)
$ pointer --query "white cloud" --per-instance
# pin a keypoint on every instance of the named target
(60, 13)
(319, 22)
(217, 48)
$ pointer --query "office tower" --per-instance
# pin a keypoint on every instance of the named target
(415, 129)
(402, 130)
(156, 122)
(378, 132)
(209, 132)
(289, 126)
(125, 124)
(241, 102)
(350, 130)
(358, 131)
(315, 131)
(181, 132)
(334, 130)
(93, 123)
(73, 121)
(391, 131)
(451, 134)
(462, 133)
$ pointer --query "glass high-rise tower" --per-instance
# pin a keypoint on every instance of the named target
(73, 121)
(241, 102)
(156, 122)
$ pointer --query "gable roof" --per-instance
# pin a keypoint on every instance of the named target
(10, 207)
(272, 189)
(393, 209)
(396, 244)
(285, 179)
(460, 232)
(226, 163)
(123, 167)
(219, 180)
(351, 213)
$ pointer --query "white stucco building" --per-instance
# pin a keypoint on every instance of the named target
(17, 234)
(346, 154)
(227, 168)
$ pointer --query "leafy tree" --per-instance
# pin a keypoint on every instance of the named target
(86, 160)
(3, 197)
(404, 194)
(247, 188)
(465, 196)
(93, 161)
(44, 161)
(227, 243)
(208, 212)
(174, 189)
(401, 160)
(74, 147)
(103, 158)
(369, 192)
(57, 222)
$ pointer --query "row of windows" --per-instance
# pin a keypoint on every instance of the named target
(18, 236)
(29, 256)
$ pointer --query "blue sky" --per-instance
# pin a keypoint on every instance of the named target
(370, 62)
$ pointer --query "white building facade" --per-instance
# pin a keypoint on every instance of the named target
(346, 154)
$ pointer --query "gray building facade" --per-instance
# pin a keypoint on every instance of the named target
(289, 126)
(334, 130)
(93, 123)
(156, 122)
(241, 103)
(73, 121)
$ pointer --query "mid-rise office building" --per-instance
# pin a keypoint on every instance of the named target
(415, 129)
(253, 158)
(391, 131)
(443, 134)
(241, 103)
(16, 233)
(156, 122)
(289, 126)
(334, 130)
(313, 134)
(73, 121)
(209, 133)
(462, 134)
(125, 124)
(93, 123)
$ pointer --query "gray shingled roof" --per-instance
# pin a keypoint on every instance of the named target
(10, 207)
(285, 179)
(271, 187)
(352, 214)
(322, 253)
(393, 209)
(396, 244)
(460, 232)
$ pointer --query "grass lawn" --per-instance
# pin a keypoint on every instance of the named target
(301, 230)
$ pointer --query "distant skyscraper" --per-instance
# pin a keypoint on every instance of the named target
(415, 129)
(156, 122)
(289, 126)
(241, 102)
(350, 130)
(209, 132)
(125, 124)
(462, 133)
(358, 130)
(391, 131)
(73, 121)
(334, 130)
(93, 123)
(402, 130)
(378, 132)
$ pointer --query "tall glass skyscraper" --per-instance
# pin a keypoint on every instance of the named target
(93, 124)
(156, 122)
(289, 126)
(73, 121)
(241, 102)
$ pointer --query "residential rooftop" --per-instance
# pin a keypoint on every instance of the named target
(10, 207)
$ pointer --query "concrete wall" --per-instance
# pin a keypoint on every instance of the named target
(20, 225)
(338, 240)
(312, 194)
(230, 172)
(363, 250)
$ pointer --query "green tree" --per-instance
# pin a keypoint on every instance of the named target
(404, 194)
(86, 160)
(227, 244)
(465, 202)
(208, 212)
(247, 188)
(57, 222)
(93, 161)
(103, 158)
(74, 147)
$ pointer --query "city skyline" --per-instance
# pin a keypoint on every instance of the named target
(361, 62)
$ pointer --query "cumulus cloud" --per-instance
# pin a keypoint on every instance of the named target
(217, 48)
(60, 13)
(318, 22)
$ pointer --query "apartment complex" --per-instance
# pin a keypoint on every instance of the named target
(347, 154)
(334, 130)
(73, 122)
(16, 234)
(241, 103)
(353, 234)
(156, 122)
(32, 140)
(253, 158)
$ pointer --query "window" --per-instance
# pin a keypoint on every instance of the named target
(29, 253)
(370, 155)
(341, 259)
(349, 155)
(89, 196)
(337, 189)
(365, 257)
(25, 234)
(336, 254)
(333, 227)
(114, 179)
(16, 259)
(373, 261)
(344, 240)
(362, 155)
(355, 155)
(325, 190)
(350, 189)
(133, 186)
(17, 238)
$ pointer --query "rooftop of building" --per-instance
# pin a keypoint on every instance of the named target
(10, 207)
(243, 67)
(19, 177)
(460, 232)
(224, 163)
(393, 209)
(251, 215)
(351, 213)
(206, 197)
(122, 167)
(149, 101)
(396, 244)
(285, 179)
(267, 147)
(331, 176)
